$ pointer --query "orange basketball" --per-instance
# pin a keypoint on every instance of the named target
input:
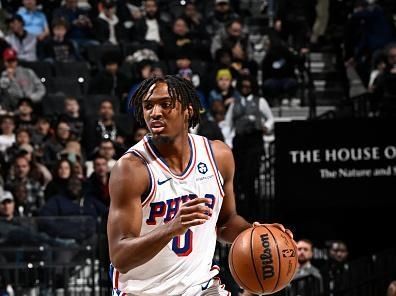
(263, 259)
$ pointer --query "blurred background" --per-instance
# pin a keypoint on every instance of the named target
(304, 92)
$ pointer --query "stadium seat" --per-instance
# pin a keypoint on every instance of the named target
(68, 86)
(53, 104)
(43, 70)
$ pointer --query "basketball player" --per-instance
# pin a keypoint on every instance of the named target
(170, 194)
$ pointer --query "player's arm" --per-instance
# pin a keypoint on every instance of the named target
(128, 249)
(229, 224)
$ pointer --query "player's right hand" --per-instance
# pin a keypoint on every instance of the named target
(191, 213)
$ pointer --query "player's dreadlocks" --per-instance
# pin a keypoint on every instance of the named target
(179, 89)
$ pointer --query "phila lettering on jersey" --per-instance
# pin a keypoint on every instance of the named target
(186, 261)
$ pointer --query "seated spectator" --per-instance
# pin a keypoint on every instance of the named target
(150, 29)
(224, 92)
(221, 15)
(104, 128)
(41, 134)
(110, 81)
(180, 41)
(20, 40)
(108, 29)
(196, 24)
(52, 148)
(97, 184)
(72, 115)
(278, 68)
(25, 117)
(58, 48)
(61, 175)
(232, 36)
(35, 20)
(22, 137)
(7, 205)
(72, 203)
(27, 185)
(39, 170)
(81, 28)
(305, 267)
(7, 137)
(106, 150)
(18, 82)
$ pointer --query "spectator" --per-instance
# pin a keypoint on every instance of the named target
(18, 82)
(72, 203)
(81, 28)
(35, 20)
(305, 267)
(179, 41)
(106, 150)
(231, 38)
(221, 15)
(105, 128)
(150, 29)
(250, 117)
(139, 134)
(368, 30)
(61, 175)
(108, 29)
(196, 24)
(293, 21)
(58, 48)
(7, 205)
(385, 85)
(41, 134)
(7, 137)
(26, 185)
(278, 68)
(25, 117)
(224, 91)
(336, 264)
(97, 185)
(22, 137)
(56, 143)
(20, 40)
(208, 127)
(39, 171)
(110, 81)
(72, 116)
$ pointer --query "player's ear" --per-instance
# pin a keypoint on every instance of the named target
(190, 112)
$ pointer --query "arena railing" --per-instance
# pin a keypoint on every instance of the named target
(50, 256)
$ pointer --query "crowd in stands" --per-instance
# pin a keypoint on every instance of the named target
(69, 68)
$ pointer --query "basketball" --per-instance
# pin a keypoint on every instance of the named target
(263, 259)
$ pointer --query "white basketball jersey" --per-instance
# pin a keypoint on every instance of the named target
(186, 261)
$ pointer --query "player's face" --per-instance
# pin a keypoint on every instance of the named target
(164, 121)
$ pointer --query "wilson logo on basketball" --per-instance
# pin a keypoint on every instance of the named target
(266, 258)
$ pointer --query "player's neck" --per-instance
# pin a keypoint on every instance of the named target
(176, 152)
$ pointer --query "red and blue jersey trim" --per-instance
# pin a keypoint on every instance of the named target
(152, 150)
(153, 185)
(213, 164)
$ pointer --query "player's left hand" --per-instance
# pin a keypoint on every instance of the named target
(277, 225)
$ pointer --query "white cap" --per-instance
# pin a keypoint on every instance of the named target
(6, 195)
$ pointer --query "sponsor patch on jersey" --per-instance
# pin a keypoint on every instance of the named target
(202, 168)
